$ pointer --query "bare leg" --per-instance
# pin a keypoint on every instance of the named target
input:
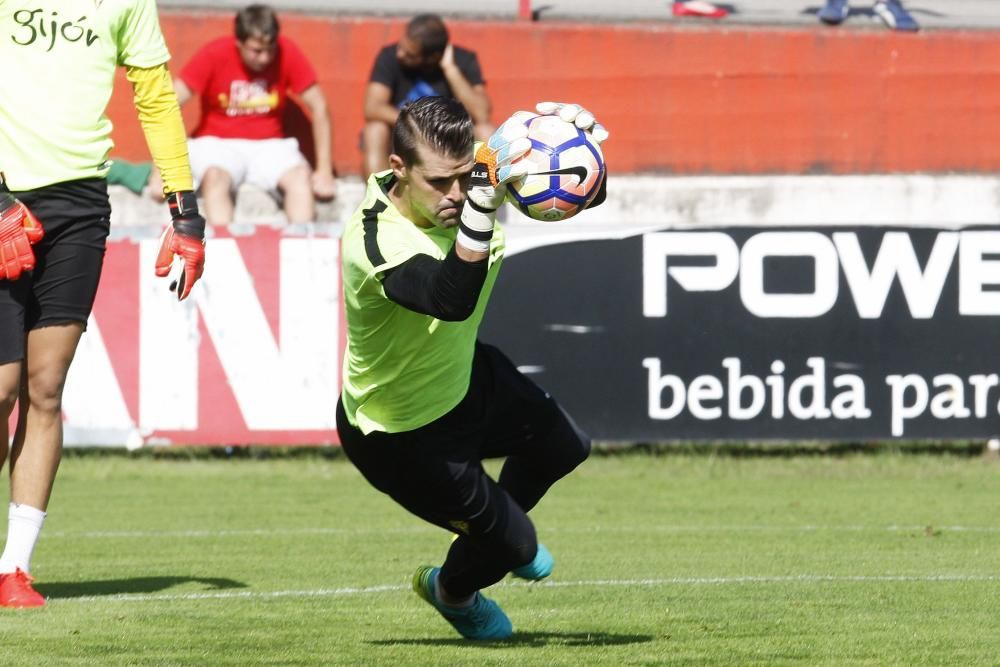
(216, 190)
(296, 186)
(376, 139)
(10, 382)
(37, 447)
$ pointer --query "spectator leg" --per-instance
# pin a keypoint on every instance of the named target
(296, 186)
(216, 191)
(375, 144)
(482, 131)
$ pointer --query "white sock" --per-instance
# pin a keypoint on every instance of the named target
(23, 525)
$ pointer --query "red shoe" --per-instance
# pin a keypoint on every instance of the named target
(698, 8)
(16, 591)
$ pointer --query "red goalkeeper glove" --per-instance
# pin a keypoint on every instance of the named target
(185, 238)
(19, 230)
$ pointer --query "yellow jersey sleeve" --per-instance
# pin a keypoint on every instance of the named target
(160, 116)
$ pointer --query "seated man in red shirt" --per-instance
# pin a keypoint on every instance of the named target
(243, 85)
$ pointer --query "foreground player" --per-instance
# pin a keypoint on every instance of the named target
(424, 402)
(54, 146)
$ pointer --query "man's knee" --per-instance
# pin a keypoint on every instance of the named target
(521, 553)
(45, 390)
(216, 179)
(296, 181)
(571, 443)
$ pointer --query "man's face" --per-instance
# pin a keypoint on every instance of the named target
(410, 55)
(257, 53)
(435, 186)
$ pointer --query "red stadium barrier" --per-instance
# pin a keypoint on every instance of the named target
(682, 99)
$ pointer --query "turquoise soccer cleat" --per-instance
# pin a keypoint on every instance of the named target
(484, 620)
(539, 568)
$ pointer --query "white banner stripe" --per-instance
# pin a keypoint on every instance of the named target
(600, 583)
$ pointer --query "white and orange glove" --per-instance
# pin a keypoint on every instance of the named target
(184, 238)
(496, 165)
(19, 230)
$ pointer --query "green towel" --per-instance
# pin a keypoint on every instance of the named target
(133, 176)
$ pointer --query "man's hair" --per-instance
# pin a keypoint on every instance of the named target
(442, 123)
(258, 21)
(429, 32)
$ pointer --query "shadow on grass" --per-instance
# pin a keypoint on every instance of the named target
(135, 585)
(523, 639)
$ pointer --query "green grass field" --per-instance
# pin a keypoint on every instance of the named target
(697, 559)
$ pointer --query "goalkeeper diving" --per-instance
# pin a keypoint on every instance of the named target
(424, 402)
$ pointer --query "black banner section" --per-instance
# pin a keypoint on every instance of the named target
(831, 333)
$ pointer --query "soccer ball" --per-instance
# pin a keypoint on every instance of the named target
(566, 171)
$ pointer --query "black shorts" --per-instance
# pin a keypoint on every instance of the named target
(76, 217)
(503, 414)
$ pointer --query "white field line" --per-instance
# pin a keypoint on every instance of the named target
(248, 532)
(597, 583)
(284, 532)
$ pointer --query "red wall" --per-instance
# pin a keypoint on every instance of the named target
(685, 100)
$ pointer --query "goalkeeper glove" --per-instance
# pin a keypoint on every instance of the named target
(496, 165)
(574, 113)
(19, 230)
(185, 237)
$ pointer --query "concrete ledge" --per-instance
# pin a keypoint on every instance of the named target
(253, 206)
(693, 200)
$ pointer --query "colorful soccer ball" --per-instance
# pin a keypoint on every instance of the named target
(568, 168)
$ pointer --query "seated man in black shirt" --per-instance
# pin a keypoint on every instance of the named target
(423, 63)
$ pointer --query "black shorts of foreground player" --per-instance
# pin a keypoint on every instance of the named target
(424, 402)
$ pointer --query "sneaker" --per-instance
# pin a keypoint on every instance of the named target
(16, 590)
(834, 12)
(895, 16)
(484, 619)
(698, 8)
(539, 568)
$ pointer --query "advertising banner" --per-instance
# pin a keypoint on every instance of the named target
(707, 334)
(252, 357)
(832, 333)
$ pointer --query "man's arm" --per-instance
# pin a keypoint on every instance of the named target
(160, 117)
(446, 289)
(378, 103)
(323, 183)
(162, 124)
(472, 97)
